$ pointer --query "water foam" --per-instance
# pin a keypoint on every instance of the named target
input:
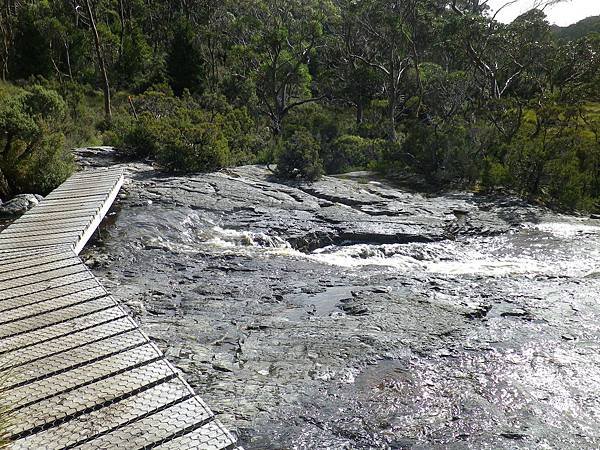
(552, 248)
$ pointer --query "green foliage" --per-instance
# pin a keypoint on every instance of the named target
(31, 53)
(431, 86)
(132, 67)
(193, 147)
(136, 138)
(351, 152)
(494, 174)
(554, 157)
(187, 135)
(187, 142)
(33, 157)
(185, 68)
(299, 158)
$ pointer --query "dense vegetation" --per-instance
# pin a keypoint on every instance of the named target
(432, 87)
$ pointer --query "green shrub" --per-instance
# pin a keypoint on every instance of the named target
(49, 166)
(193, 148)
(299, 158)
(244, 139)
(141, 138)
(34, 158)
(186, 135)
(566, 182)
(495, 174)
(441, 153)
(85, 113)
(350, 152)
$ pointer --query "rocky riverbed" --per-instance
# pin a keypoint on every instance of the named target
(352, 314)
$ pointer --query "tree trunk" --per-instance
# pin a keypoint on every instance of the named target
(360, 113)
(277, 127)
(101, 62)
(68, 56)
(122, 32)
(393, 136)
(5, 190)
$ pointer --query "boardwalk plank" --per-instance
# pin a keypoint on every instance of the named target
(35, 351)
(76, 357)
(64, 383)
(49, 294)
(86, 426)
(81, 373)
(54, 225)
(32, 261)
(57, 408)
(54, 304)
(42, 267)
(44, 286)
(56, 216)
(54, 317)
(153, 429)
(59, 330)
(37, 278)
(74, 201)
(212, 436)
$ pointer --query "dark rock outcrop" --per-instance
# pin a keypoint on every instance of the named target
(19, 205)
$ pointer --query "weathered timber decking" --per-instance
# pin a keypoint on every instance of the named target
(78, 371)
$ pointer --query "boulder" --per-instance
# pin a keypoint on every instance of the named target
(19, 205)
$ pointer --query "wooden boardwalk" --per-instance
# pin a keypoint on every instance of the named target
(76, 370)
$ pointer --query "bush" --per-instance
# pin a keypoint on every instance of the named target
(350, 152)
(566, 182)
(187, 135)
(141, 140)
(34, 158)
(495, 174)
(193, 148)
(299, 158)
(187, 142)
(441, 153)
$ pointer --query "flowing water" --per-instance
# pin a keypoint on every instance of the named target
(478, 340)
(569, 248)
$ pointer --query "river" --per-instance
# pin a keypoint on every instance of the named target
(353, 314)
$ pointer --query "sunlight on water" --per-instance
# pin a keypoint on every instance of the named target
(569, 248)
(560, 249)
(566, 229)
(220, 237)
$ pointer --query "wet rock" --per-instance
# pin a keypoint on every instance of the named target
(19, 205)
(339, 314)
(479, 312)
(521, 313)
(514, 436)
(353, 307)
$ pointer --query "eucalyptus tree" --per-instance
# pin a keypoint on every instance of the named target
(346, 79)
(389, 37)
(274, 42)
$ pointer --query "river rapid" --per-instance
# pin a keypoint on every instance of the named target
(352, 314)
